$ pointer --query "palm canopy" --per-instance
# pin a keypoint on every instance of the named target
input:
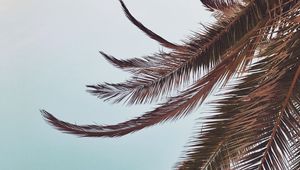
(256, 124)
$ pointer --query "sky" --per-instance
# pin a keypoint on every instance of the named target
(49, 52)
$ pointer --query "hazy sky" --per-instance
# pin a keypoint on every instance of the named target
(49, 52)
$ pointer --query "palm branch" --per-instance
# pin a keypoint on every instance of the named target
(251, 55)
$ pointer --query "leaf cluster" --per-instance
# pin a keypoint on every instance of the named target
(255, 45)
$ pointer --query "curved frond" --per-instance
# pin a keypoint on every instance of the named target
(148, 32)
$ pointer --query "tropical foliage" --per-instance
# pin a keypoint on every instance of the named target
(251, 54)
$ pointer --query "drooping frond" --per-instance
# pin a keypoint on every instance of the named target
(148, 32)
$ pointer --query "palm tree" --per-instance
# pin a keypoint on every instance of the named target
(251, 53)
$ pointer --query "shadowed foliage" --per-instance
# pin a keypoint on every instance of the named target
(251, 54)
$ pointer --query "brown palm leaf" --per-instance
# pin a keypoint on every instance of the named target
(252, 54)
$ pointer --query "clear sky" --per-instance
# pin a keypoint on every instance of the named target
(49, 52)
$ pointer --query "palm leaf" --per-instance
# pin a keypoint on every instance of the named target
(147, 31)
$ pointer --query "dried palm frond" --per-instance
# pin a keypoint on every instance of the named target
(256, 125)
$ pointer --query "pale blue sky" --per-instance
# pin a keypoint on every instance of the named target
(49, 52)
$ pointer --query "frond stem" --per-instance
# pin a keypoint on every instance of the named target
(214, 155)
(281, 113)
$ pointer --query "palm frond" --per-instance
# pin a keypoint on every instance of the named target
(148, 32)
